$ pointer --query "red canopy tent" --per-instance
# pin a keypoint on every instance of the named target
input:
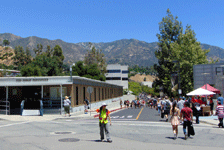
(210, 88)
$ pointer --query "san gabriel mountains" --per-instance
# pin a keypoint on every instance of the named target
(126, 51)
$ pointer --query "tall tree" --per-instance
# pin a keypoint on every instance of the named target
(181, 47)
(188, 53)
(20, 58)
(95, 56)
(170, 29)
(58, 55)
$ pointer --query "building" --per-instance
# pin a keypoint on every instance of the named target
(52, 91)
(117, 74)
(9, 73)
(212, 74)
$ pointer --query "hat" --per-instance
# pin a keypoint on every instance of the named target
(104, 104)
(66, 97)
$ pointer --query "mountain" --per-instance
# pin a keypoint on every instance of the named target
(126, 51)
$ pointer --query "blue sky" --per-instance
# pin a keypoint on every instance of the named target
(109, 20)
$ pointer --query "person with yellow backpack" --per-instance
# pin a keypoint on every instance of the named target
(103, 122)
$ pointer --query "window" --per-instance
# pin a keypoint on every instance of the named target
(95, 93)
(55, 92)
(124, 71)
(99, 93)
(113, 71)
(113, 78)
(84, 93)
(125, 79)
(218, 70)
(77, 95)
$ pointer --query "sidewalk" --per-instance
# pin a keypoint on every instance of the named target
(212, 120)
(114, 106)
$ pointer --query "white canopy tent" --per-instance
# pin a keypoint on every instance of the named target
(200, 92)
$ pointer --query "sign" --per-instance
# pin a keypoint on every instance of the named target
(90, 89)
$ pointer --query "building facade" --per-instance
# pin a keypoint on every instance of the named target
(117, 74)
(52, 90)
(212, 74)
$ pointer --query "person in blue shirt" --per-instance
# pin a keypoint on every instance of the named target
(220, 98)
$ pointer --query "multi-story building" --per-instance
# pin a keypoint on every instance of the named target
(117, 74)
(212, 74)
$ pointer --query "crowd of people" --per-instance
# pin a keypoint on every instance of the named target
(181, 111)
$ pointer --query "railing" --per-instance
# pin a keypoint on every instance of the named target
(5, 106)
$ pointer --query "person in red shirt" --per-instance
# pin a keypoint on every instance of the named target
(187, 116)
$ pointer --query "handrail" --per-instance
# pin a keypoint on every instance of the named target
(7, 107)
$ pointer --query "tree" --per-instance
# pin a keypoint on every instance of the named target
(91, 71)
(39, 49)
(95, 56)
(58, 55)
(6, 42)
(188, 53)
(182, 47)
(20, 58)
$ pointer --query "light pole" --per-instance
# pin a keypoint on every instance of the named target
(179, 85)
(71, 70)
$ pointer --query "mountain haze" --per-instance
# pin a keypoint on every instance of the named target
(126, 51)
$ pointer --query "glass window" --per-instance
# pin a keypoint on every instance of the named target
(113, 71)
(124, 71)
(125, 79)
(218, 70)
(113, 78)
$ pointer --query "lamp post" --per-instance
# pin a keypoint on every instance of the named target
(179, 86)
(71, 70)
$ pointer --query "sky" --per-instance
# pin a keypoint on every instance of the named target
(97, 21)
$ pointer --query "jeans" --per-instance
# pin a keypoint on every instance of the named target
(221, 122)
(159, 109)
(104, 127)
(186, 124)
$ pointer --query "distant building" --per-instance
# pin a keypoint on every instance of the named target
(9, 73)
(117, 74)
(212, 74)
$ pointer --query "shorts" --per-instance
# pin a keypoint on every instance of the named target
(166, 112)
(67, 109)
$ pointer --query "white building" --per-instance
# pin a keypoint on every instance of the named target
(117, 74)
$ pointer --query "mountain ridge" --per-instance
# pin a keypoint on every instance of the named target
(124, 51)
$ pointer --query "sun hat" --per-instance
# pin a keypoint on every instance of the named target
(104, 104)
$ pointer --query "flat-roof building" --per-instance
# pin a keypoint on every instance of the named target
(212, 74)
(52, 90)
(117, 74)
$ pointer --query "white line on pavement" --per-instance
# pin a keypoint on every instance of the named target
(7, 125)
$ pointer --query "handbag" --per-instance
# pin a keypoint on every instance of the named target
(191, 129)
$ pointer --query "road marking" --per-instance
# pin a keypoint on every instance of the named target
(7, 125)
(122, 117)
(114, 117)
(129, 116)
(139, 113)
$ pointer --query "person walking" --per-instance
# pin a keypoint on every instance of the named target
(104, 115)
(220, 113)
(220, 98)
(121, 103)
(187, 116)
(166, 108)
(67, 104)
(211, 104)
(175, 113)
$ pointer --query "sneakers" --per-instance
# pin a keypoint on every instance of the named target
(175, 136)
(185, 137)
(109, 140)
